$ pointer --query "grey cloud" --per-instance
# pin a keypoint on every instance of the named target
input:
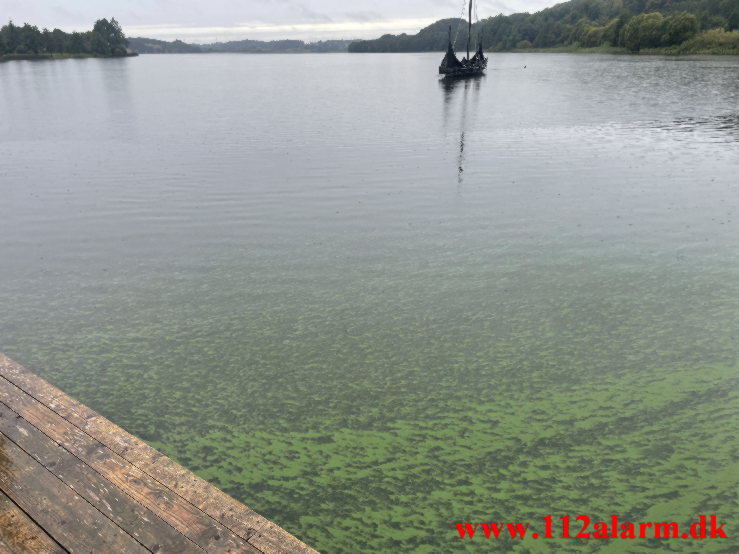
(311, 16)
(81, 14)
(495, 7)
(364, 16)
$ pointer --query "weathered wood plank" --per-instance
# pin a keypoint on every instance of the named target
(237, 517)
(68, 518)
(133, 518)
(240, 519)
(166, 504)
(20, 535)
(273, 539)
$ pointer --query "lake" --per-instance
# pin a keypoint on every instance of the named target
(370, 304)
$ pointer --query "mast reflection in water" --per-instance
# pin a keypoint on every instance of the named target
(465, 88)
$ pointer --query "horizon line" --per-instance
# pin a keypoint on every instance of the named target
(307, 32)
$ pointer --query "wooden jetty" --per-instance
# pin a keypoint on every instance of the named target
(72, 481)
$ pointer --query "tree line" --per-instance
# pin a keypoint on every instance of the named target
(152, 46)
(278, 46)
(105, 39)
(630, 24)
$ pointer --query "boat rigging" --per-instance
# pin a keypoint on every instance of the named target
(468, 67)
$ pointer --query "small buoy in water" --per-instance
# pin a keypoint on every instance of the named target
(524, 67)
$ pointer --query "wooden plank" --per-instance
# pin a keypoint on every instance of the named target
(65, 516)
(241, 519)
(133, 518)
(170, 507)
(19, 534)
(234, 515)
(273, 539)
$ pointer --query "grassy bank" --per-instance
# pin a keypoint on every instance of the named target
(574, 49)
(714, 41)
(10, 57)
(711, 42)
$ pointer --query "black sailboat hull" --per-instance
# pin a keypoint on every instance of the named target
(452, 67)
(462, 71)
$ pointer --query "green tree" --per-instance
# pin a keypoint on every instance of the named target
(108, 38)
(78, 44)
(730, 10)
(31, 40)
(651, 30)
(99, 45)
(643, 31)
(61, 41)
(9, 38)
(580, 31)
(680, 28)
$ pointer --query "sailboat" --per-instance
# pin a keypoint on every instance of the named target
(468, 67)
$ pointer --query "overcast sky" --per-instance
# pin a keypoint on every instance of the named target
(210, 20)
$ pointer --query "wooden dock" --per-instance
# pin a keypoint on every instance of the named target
(72, 481)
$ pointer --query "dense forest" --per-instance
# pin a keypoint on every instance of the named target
(679, 26)
(106, 39)
(151, 46)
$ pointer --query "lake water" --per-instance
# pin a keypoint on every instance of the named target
(370, 304)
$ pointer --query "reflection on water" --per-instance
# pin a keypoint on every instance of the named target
(722, 128)
(115, 82)
(450, 86)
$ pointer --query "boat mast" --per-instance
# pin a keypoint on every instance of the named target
(469, 32)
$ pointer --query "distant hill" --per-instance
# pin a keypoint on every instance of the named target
(279, 46)
(432, 38)
(629, 24)
(153, 46)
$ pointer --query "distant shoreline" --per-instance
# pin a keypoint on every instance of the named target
(672, 51)
(570, 50)
(559, 50)
(37, 57)
(711, 43)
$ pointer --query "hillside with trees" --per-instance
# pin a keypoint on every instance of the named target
(106, 39)
(278, 46)
(248, 46)
(154, 46)
(674, 26)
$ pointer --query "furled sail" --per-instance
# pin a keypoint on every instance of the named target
(450, 60)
